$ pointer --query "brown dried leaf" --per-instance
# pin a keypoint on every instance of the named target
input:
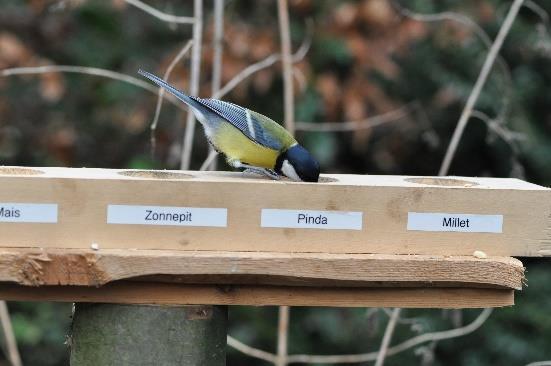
(262, 80)
(61, 144)
(328, 86)
(12, 50)
(378, 14)
(52, 86)
(264, 46)
(346, 15)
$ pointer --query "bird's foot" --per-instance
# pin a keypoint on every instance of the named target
(249, 169)
(262, 171)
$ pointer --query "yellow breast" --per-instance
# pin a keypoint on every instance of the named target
(235, 145)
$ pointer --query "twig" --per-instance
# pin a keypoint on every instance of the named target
(539, 11)
(402, 320)
(387, 336)
(510, 137)
(412, 342)
(289, 123)
(79, 70)
(251, 351)
(217, 59)
(260, 65)
(7, 329)
(540, 363)
(194, 83)
(159, 14)
(169, 69)
(364, 124)
(245, 73)
(282, 335)
(481, 80)
(208, 161)
(480, 33)
(288, 92)
(88, 71)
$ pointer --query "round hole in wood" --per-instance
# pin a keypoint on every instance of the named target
(19, 171)
(154, 174)
(444, 182)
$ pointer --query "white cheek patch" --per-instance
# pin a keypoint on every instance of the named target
(290, 171)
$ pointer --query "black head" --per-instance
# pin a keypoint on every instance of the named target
(298, 164)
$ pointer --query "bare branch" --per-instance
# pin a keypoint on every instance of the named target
(88, 71)
(169, 69)
(159, 14)
(364, 124)
(245, 73)
(508, 136)
(539, 11)
(288, 90)
(208, 161)
(260, 65)
(217, 60)
(480, 33)
(282, 335)
(251, 351)
(7, 329)
(217, 45)
(289, 123)
(194, 83)
(481, 80)
(371, 356)
(540, 363)
(402, 320)
(387, 336)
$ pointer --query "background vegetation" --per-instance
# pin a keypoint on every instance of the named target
(366, 59)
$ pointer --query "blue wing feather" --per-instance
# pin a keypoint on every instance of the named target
(238, 116)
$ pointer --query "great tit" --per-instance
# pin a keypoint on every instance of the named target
(248, 139)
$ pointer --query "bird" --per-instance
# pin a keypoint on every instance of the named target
(249, 140)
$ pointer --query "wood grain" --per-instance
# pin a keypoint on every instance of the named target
(384, 201)
(76, 267)
(180, 294)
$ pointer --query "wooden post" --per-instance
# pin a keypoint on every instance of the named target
(114, 334)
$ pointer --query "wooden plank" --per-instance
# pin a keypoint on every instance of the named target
(181, 294)
(78, 267)
(83, 196)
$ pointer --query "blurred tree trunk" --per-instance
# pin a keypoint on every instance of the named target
(113, 334)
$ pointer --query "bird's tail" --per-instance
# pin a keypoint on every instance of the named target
(172, 90)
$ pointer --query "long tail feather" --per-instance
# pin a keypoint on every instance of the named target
(177, 93)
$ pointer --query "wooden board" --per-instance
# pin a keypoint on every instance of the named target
(182, 294)
(83, 195)
(76, 267)
(257, 278)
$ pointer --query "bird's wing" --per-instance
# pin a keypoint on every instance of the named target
(245, 121)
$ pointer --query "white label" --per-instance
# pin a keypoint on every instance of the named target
(308, 219)
(45, 213)
(455, 222)
(165, 215)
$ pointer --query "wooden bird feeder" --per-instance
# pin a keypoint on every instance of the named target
(173, 237)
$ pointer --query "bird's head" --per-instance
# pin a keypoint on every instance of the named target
(298, 164)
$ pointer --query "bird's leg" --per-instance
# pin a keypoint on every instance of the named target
(263, 171)
(254, 169)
